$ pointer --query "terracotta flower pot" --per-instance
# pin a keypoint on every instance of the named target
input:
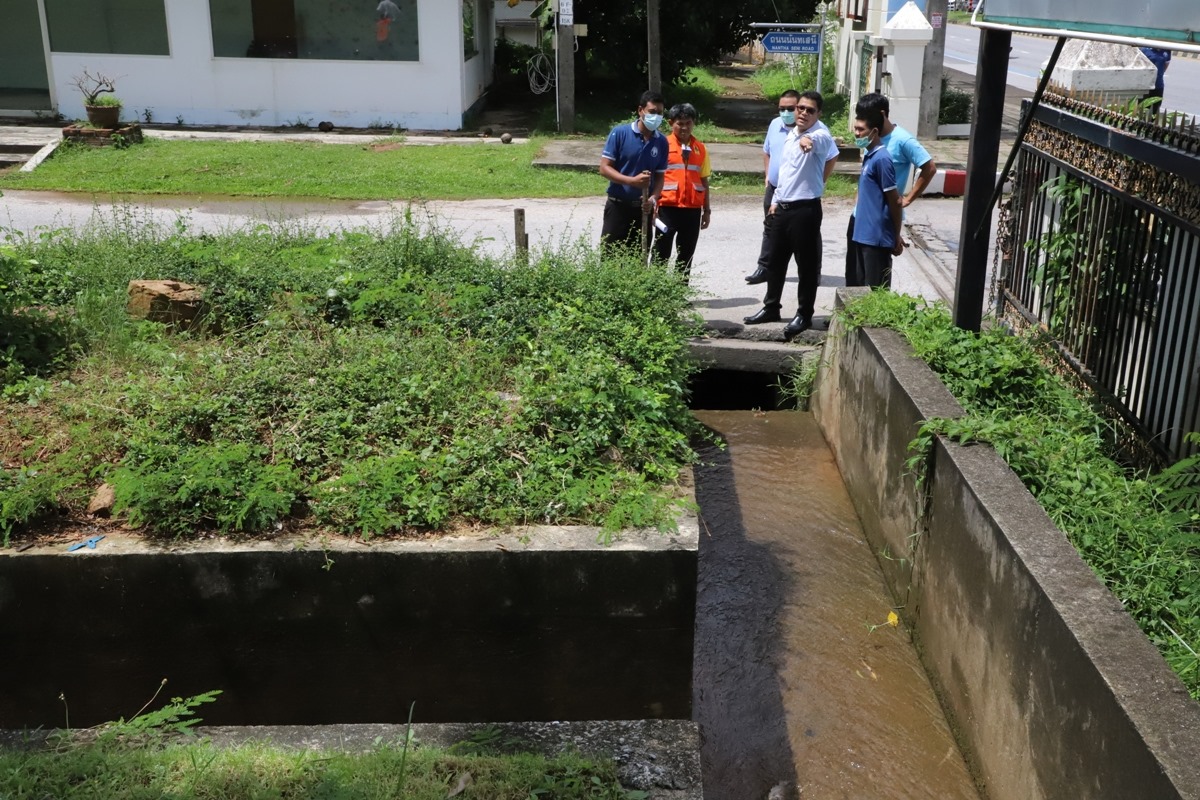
(103, 116)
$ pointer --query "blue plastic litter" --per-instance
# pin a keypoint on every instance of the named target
(90, 544)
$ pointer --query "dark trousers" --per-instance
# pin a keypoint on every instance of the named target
(874, 266)
(764, 252)
(852, 277)
(683, 229)
(795, 232)
(622, 224)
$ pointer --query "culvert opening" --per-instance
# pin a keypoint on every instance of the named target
(740, 390)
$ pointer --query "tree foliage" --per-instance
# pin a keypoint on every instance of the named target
(693, 33)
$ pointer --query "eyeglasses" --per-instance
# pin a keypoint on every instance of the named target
(806, 109)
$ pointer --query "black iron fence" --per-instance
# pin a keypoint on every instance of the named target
(1101, 250)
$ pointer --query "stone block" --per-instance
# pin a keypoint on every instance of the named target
(177, 304)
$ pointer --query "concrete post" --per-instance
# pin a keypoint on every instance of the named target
(931, 75)
(653, 47)
(565, 45)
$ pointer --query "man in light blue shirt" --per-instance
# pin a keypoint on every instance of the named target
(795, 229)
(772, 148)
(906, 153)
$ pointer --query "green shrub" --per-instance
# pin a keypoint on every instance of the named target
(955, 108)
(384, 383)
(33, 341)
(225, 486)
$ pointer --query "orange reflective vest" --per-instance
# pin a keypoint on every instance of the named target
(683, 186)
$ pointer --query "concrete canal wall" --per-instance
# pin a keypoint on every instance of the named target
(1052, 688)
(541, 624)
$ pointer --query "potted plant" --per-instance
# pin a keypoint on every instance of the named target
(99, 101)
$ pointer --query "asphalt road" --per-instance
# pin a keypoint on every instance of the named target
(1030, 52)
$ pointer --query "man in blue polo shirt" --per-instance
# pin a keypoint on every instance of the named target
(879, 217)
(634, 158)
(796, 208)
(907, 154)
(772, 149)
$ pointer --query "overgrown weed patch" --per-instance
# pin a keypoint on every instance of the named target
(370, 382)
(1137, 532)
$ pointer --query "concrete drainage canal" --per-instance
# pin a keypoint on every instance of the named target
(765, 620)
(802, 686)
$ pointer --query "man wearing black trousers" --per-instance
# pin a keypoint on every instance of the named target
(772, 150)
(634, 160)
(795, 229)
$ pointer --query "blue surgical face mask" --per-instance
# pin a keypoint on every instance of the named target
(788, 117)
(864, 142)
(652, 121)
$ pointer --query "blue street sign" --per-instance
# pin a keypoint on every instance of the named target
(786, 42)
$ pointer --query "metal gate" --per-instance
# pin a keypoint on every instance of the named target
(1101, 251)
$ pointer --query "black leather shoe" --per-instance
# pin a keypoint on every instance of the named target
(797, 326)
(764, 315)
(758, 276)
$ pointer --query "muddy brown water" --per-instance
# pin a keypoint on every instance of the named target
(792, 686)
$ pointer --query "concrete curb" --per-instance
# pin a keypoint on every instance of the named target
(948, 182)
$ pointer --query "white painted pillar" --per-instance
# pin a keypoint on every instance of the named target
(1116, 73)
(904, 37)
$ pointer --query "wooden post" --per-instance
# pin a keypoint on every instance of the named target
(646, 228)
(520, 237)
(653, 47)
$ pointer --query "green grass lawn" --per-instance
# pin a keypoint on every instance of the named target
(292, 169)
(334, 171)
(386, 170)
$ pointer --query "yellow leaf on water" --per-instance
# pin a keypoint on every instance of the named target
(893, 619)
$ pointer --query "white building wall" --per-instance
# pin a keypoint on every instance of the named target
(429, 94)
(514, 23)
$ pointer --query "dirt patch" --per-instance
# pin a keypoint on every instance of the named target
(741, 106)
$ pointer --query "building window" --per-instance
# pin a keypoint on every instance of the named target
(468, 14)
(128, 27)
(351, 30)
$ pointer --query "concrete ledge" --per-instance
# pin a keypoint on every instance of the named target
(534, 624)
(749, 356)
(1053, 689)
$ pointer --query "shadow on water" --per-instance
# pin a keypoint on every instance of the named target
(735, 688)
(798, 677)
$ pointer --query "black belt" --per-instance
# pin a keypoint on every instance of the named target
(623, 202)
(815, 201)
